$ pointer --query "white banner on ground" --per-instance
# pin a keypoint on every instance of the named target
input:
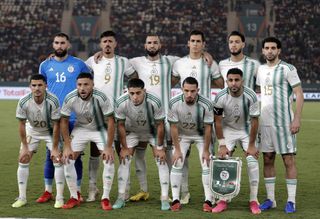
(13, 93)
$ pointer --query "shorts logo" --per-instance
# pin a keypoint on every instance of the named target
(224, 175)
(70, 69)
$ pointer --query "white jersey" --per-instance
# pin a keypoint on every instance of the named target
(109, 74)
(247, 65)
(39, 116)
(190, 118)
(237, 110)
(142, 117)
(90, 113)
(156, 76)
(276, 85)
(197, 68)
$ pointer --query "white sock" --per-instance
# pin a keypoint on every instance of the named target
(48, 188)
(163, 170)
(93, 170)
(270, 184)
(59, 178)
(22, 176)
(185, 177)
(291, 188)
(123, 175)
(253, 173)
(107, 176)
(206, 182)
(128, 186)
(71, 178)
(141, 169)
(175, 180)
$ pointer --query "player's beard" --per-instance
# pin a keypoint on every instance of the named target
(152, 53)
(236, 52)
(60, 53)
(271, 58)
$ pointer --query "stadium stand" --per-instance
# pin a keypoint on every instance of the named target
(26, 30)
(27, 27)
(299, 35)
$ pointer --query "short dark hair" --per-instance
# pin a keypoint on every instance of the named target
(108, 33)
(61, 34)
(135, 82)
(190, 80)
(197, 32)
(38, 77)
(272, 40)
(152, 35)
(237, 33)
(235, 71)
(85, 75)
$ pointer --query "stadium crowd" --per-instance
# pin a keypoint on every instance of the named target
(26, 28)
(88, 8)
(298, 36)
(26, 31)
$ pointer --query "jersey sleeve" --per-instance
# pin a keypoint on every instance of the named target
(175, 70)
(89, 63)
(21, 113)
(208, 114)
(128, 68)
(120, 112)
(293, 77)
(254, 109)
(42, 69)
(106, 106)
(159, 113)
(55, 113)
(172, 114)
(66, 108)
(215, 73)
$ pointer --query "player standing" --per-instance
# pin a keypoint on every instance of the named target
(278, 81)
(61, 72)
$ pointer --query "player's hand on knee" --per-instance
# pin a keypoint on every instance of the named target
(124, 154)
(108, 155)
(55, 156)
(25, 156)
(177, 158)
(68, 154)
(253, 151)
(160, 155)
(223, 152)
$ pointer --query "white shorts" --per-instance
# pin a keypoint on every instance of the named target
(80, 137)
(34, 141)
(185, 143)
(277, 139)
(133, 139)
(233, 138)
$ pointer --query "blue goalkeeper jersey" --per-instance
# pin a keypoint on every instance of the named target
(62, 75)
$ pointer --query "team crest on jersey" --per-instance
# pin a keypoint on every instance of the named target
(236, 110)
(188, 117)
(108, 69)
(88, 115)
(70, 68)
(194, 72)
(38, 116)
(154, 71)
(141, 116)
(268, 80)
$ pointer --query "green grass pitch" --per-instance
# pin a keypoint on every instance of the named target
(307, 192)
